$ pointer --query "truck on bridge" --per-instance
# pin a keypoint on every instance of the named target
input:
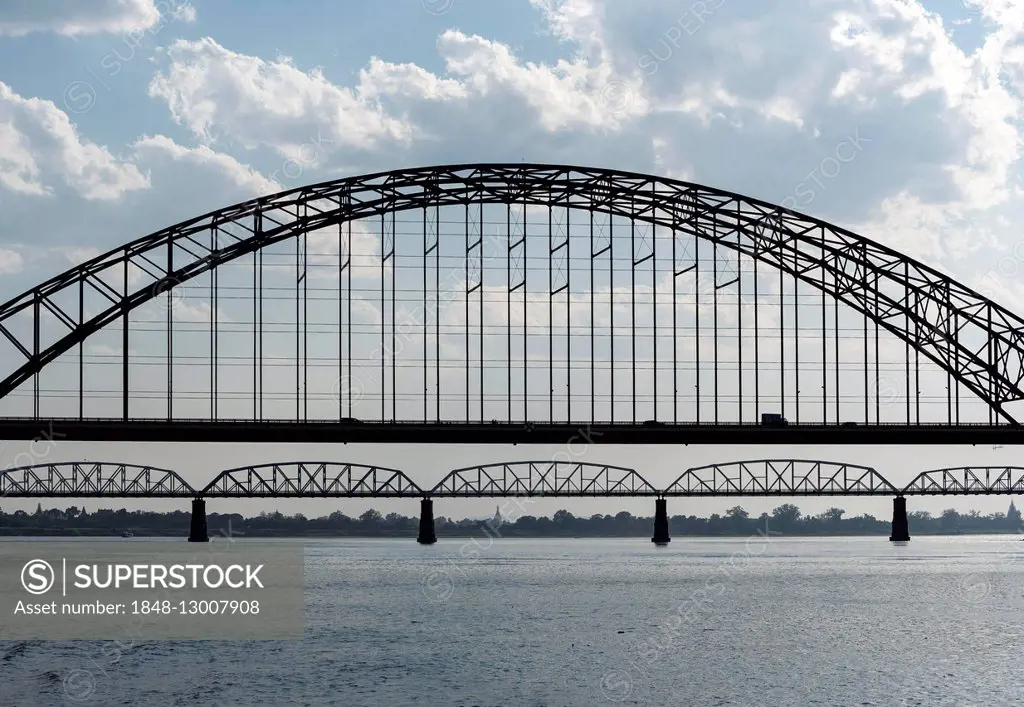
(773, 419)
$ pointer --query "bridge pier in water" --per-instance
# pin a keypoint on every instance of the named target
(197, 532)
(900, 526)
(427, 535)
(660, 522)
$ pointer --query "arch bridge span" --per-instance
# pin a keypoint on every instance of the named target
(509, 303)
(781, 477)
(93, 480)
(968, 480)
(543, 478)
(311, 480)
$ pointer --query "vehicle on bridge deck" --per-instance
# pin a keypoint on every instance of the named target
(773, 419)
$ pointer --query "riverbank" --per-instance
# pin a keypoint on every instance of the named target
(481, 532)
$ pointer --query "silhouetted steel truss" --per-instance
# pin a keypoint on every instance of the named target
(545, 478)
(311, 480)
(93, 479)
(978, 343)
(967, 480)
(760, 477)
(781, 477)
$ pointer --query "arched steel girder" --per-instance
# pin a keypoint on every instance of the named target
(978, 342)
(93, 479)
(781, 477)
(967, 480)
(311, 480)
(543, 478)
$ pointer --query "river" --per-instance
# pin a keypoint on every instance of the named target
(588, 622)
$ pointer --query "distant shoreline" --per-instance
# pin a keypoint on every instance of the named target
(481, 533)
(786, 519)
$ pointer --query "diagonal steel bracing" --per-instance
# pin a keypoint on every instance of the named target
(967, 480)
(311, 480)
(543, 478)
(781, 477)
(93, 479)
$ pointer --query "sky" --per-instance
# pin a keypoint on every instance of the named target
(120, 117)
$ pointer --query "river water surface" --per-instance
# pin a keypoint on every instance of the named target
(765, 620)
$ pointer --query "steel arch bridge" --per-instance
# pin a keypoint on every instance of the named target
(509, 303)
(93, 480)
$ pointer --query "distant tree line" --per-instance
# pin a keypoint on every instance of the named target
(786, 519)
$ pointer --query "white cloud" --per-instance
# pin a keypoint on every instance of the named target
(154, 150)
(219, 94)
(19, 170)
(922, 59)
(957, 211)
(755, 98)
(81, 17)
(185, 181)
(40, 145)
(10, 261)
(569, 94)
(216, 92)
(382, 78)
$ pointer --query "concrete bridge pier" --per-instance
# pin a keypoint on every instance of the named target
(900, 527)
(660, 522)
(197, 532)
(427, 535)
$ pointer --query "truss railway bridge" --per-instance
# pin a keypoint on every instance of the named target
(324, 479)
(510, 304)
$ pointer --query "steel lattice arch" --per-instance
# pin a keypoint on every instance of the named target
(509, 303)
(92, 480)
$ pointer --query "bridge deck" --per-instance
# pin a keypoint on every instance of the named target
(317, 431)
